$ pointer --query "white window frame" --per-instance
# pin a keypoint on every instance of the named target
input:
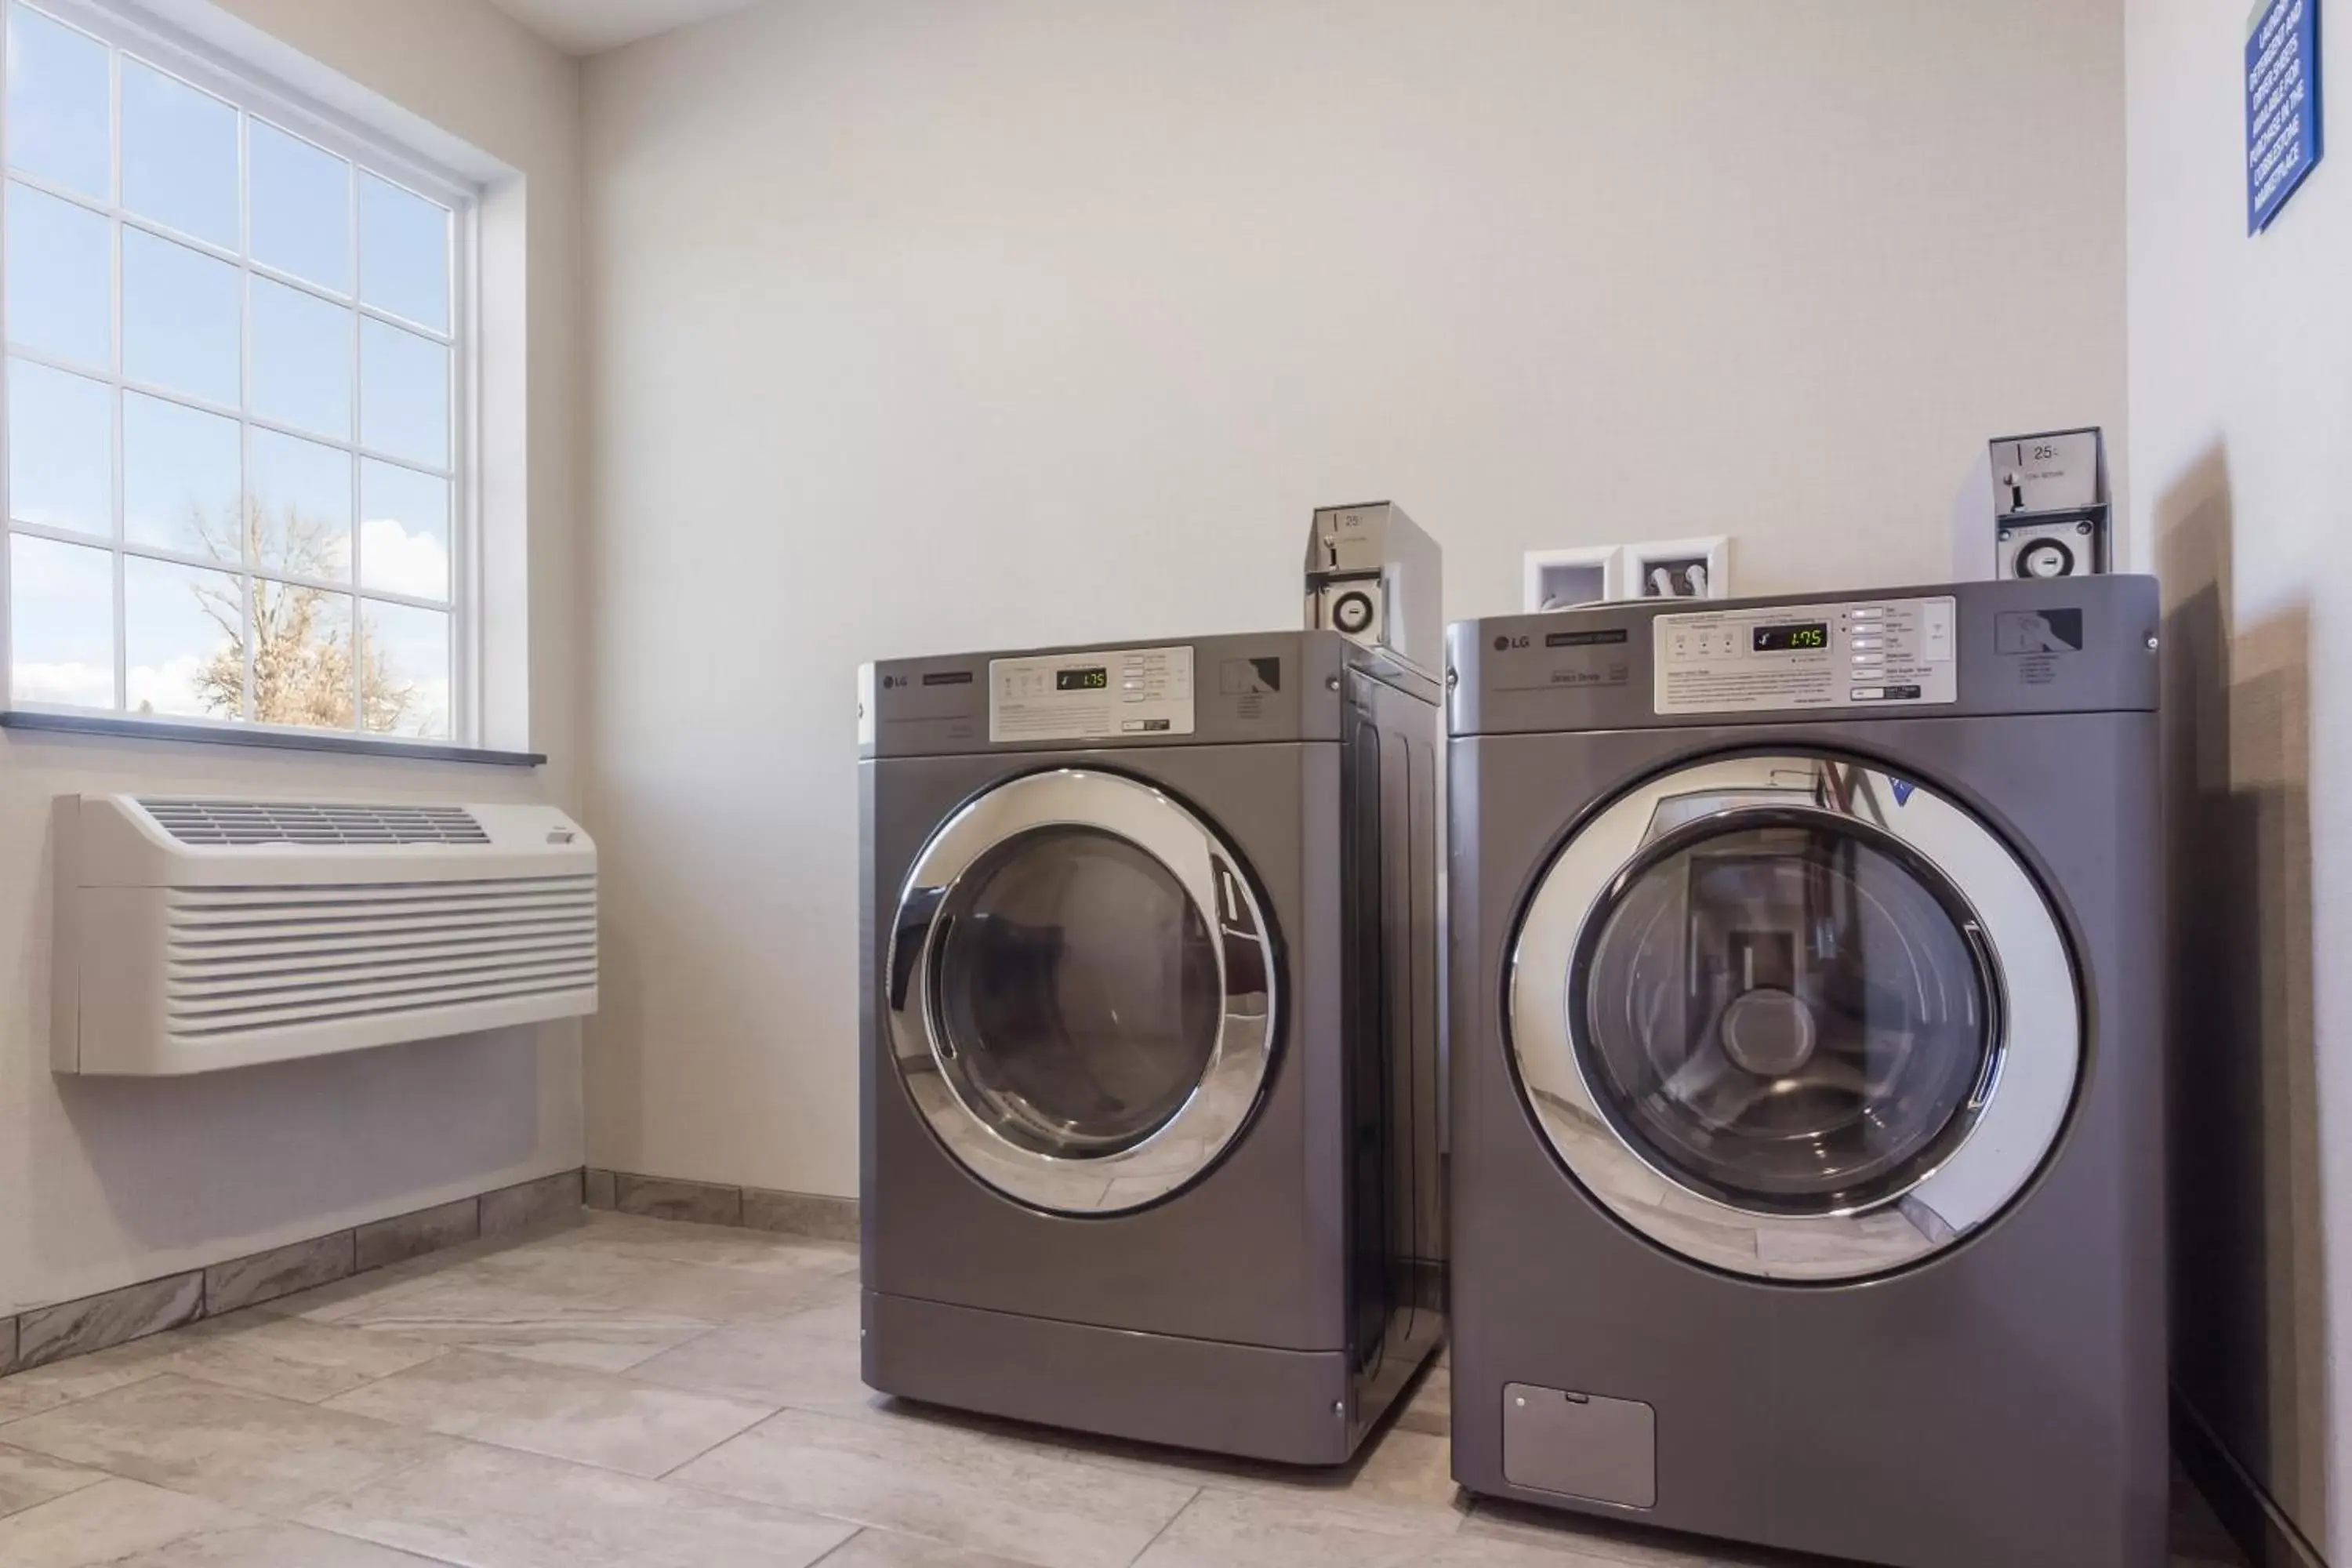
(122, 26)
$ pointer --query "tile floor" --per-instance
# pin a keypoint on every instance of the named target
(623, 1391)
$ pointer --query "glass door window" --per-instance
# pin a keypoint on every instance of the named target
(1081, 992)
(1789, 1017)
(1078, 991)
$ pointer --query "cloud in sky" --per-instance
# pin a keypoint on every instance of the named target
(169, 688)
(400, 562)
(75, 685)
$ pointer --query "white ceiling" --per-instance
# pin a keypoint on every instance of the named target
(587, 26)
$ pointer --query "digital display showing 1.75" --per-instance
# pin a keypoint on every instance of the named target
(1793, 639)
(1095, 680)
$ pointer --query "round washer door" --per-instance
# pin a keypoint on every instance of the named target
(1793, 1018)
(1081, 992)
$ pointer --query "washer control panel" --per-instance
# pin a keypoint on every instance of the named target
(1866, 653)
(1100, 696)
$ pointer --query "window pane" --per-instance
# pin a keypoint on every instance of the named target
(61, 450)
(404, 253)
(180, 319)
(178, 156)
(60, 279)
(184, 640)
(404, 394)
(302, 655)
(302, 360)
(61, 623)
(180, 468)
(405, 530)
(58, 104)
(405, 676)
(302, 507)
(301, 198)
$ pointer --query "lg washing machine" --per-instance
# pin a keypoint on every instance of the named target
(1807, 1132)
(1150, 1093)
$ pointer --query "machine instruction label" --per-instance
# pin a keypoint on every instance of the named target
(1100, 696)
(1870, 653)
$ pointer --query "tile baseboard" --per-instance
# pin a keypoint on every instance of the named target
(815, 1214)
(40, 1335)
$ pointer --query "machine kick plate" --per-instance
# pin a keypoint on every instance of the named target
(1581, 1445)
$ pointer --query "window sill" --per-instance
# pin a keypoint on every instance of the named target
(275, 740)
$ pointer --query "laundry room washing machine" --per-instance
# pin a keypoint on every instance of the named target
(1150, 1029)
(1807, 1113)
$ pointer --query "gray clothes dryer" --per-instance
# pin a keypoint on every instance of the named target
(1806, 1093)
(1150, 1085)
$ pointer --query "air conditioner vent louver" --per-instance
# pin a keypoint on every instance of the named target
(245, 958)
(246, 931)
(245, 823)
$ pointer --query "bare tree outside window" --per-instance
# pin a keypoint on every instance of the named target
(302, 637)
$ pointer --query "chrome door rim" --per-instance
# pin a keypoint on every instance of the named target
(1205, 1125)
(2036, 1052)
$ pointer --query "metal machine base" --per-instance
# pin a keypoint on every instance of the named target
(1290, 1406)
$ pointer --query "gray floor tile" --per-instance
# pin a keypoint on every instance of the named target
(28, 1479)
(529, 1318)
(267, 1456)
(1398, 1470)
(565, 1412)
(972, 1489)
(45, 1388)
(809, 1361)
(289, 1358)
(1627, 1546)
(874, 1548)
(351, 1403)
(271, 1546)
(487, 1508)
(718, 1247)
(1429, 1405)
(107, 1522)
(1240, 1529)
(615, 1268)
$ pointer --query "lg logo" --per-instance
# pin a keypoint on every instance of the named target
(1506, 644)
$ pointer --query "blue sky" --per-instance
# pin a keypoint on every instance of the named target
(189, 321)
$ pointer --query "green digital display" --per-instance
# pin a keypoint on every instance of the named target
(1793, 639)
(1095, 680)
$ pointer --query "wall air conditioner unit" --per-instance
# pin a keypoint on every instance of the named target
(198, 934)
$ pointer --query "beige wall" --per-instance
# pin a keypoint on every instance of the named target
(105, 1183)
(921, 325)
(2240, 405)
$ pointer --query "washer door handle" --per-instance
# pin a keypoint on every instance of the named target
(917, 910)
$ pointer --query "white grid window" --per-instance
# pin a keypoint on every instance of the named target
(235, 475)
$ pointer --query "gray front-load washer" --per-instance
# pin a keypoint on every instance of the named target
(1807, 1132)
(1149, 1086)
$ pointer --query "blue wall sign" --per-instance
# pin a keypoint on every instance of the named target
(2284, 124)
